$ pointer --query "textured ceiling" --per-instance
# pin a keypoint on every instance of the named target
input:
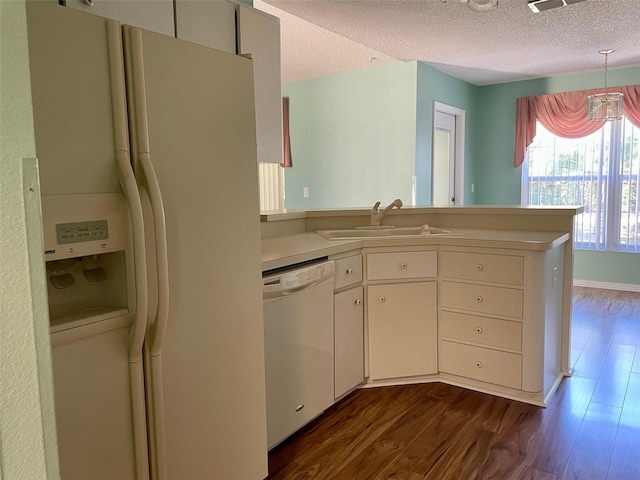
(509, 44)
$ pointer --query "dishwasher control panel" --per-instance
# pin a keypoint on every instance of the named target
(297, 278)
(301, 278)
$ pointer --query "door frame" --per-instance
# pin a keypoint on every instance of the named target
(459, 114)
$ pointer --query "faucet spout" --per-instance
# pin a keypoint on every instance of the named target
(377, 215)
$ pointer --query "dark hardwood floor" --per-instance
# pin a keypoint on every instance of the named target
(589, 430)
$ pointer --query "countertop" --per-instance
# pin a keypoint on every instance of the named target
(280, 215)
(291, 249)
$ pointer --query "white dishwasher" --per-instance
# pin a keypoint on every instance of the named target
(298, 330)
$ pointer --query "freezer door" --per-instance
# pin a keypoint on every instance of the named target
(72, 108)
(193, 118)
(77, 76)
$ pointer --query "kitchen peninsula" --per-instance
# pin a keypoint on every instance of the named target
(487, 307)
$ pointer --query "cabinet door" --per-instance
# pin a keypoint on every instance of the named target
(212, 24)
(259, 35)
(349, 340)
(402, 329)
(156, 16)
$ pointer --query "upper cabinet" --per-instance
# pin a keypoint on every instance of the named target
(212, 23)
(156, 15)
(223, 25)
(259, 35)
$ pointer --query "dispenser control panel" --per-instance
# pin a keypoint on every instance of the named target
(82, 231)
(84, 224)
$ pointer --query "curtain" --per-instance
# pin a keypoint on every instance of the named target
(286, 139)
(631, 104)
(565, 115)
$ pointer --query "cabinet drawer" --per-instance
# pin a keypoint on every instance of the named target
(348, 271)
(482, 298)
(384, 266)
(487, 331)
(483, 267)
(482, 364)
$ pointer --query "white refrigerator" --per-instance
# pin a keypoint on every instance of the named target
(148, 142)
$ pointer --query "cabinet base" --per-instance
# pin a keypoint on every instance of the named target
(539, 399)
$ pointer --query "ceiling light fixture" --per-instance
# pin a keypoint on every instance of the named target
(605, 106)
(481, 5)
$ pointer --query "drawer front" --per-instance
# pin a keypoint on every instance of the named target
(482, 267)
(384, 266)
(507, 302)
(492, 366)
(348, 271)
(483, 330)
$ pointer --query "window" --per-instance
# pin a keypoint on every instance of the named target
(599, 171)
(271, 180)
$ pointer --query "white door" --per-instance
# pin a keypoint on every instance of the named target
(444, 159)
(448, 155)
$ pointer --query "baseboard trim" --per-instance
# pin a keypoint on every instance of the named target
(626, 287)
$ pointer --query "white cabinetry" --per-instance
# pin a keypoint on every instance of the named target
(259, 35)
(348, 324)
(500, 319)
(209, 23)
(401, 313)
(156, 15)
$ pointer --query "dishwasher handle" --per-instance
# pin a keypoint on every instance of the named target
(276, 290)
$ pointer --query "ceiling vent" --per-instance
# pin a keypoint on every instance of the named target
(538, 6)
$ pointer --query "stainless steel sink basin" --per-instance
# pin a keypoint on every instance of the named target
(389, 232)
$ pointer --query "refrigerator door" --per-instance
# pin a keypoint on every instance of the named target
(192, 115)
(81, 134)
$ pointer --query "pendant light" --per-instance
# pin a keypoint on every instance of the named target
(481, 5)
(605, 106)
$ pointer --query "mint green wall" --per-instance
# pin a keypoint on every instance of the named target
(435, 86)
(352, 137)
(360, 137)
(498, 182)
(613, 267)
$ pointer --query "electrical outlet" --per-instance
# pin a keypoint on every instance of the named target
(305, 192)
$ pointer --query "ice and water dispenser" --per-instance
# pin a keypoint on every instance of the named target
(88, 257)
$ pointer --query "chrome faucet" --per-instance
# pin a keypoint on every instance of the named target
(376, 214)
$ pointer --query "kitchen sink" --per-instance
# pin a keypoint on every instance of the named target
(386, 232)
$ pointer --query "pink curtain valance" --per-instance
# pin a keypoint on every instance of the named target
(286, 135)
(565, 114)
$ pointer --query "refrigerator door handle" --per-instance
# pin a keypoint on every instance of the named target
(130, 187)
(162, 261)
(146, 176)
(138, 329)
(128, 182)
(141, 127)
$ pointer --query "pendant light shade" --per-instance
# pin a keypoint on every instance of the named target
(481, 5)
(606, 106)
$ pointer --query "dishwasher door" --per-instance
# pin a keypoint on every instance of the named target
(299, 358)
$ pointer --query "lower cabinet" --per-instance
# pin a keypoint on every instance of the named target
(349, 340)
(402, 329)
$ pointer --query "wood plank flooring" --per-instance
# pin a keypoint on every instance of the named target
(589, 430)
